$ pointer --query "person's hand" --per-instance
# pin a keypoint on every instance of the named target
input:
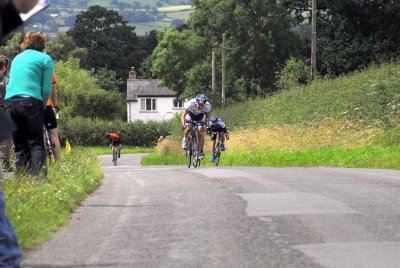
(57, 107)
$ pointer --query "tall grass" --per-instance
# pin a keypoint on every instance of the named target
(365, 96)
(36, 207)
(353, 120)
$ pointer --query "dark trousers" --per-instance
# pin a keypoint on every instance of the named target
(10, 252)
(28, 116)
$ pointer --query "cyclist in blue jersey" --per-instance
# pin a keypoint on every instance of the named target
(217, 125)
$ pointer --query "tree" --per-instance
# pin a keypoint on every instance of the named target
(176, 53)
(80, 95)
(259, 41)
(13, 46)
(107, 79)
(294, 73)
(352, 33)
(61, 47)
(109, 40)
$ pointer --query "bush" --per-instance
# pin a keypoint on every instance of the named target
(294, 73)
(91, 132)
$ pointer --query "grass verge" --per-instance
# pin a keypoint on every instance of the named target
(330, 142)
(375, 157)
(36, 207)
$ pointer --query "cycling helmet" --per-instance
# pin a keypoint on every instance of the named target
(201, 98)
(214, 118)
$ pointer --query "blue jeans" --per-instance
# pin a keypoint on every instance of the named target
(28, 116)
(10, 253)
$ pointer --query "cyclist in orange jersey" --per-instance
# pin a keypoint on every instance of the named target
(50, 120)
(115, 141)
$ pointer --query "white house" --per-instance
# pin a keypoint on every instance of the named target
(147, 100)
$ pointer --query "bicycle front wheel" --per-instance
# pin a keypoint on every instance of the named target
(195, 152)
(188, 152)
(217, 153)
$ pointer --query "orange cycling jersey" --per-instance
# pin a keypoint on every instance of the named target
(53, 81)
(114, 136)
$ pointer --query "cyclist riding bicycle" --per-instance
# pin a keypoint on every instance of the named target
(217, 125)
(197, 109)
(115, 141)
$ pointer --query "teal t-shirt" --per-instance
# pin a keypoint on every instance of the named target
(30, 75)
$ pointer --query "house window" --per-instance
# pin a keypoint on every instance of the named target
(178, 103)
(148, 104)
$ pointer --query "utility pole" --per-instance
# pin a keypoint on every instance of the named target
(314, 39)
(213, 72)
(223, 70)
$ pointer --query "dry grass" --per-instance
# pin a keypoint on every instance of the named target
(327, 133)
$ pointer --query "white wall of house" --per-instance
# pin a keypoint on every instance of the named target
(164, 109)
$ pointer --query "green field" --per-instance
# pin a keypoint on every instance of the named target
(170, 10)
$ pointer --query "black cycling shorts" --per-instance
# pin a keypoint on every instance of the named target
(50, 120)
(115, 143)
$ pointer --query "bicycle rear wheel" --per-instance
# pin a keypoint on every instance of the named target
(47, 145)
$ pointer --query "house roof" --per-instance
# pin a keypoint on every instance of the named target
(146, 88)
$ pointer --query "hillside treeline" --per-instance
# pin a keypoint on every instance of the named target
(266, 48)
(261, 36)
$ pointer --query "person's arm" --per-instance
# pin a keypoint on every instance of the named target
(47, 79)
(183, 118)
(208, 116)
(53, 94)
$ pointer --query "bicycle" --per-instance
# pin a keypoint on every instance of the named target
(116, 153)
(217, 148)
(192, 151)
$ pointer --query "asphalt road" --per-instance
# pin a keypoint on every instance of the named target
(172, 216)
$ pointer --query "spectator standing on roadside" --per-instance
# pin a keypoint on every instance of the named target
(50, 120)
(28, 89)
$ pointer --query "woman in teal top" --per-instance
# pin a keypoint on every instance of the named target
(27, 91)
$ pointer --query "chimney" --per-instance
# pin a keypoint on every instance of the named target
(132, 73)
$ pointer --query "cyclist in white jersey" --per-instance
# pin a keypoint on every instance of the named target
(197, 109)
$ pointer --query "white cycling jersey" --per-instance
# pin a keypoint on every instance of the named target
(191, 106)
